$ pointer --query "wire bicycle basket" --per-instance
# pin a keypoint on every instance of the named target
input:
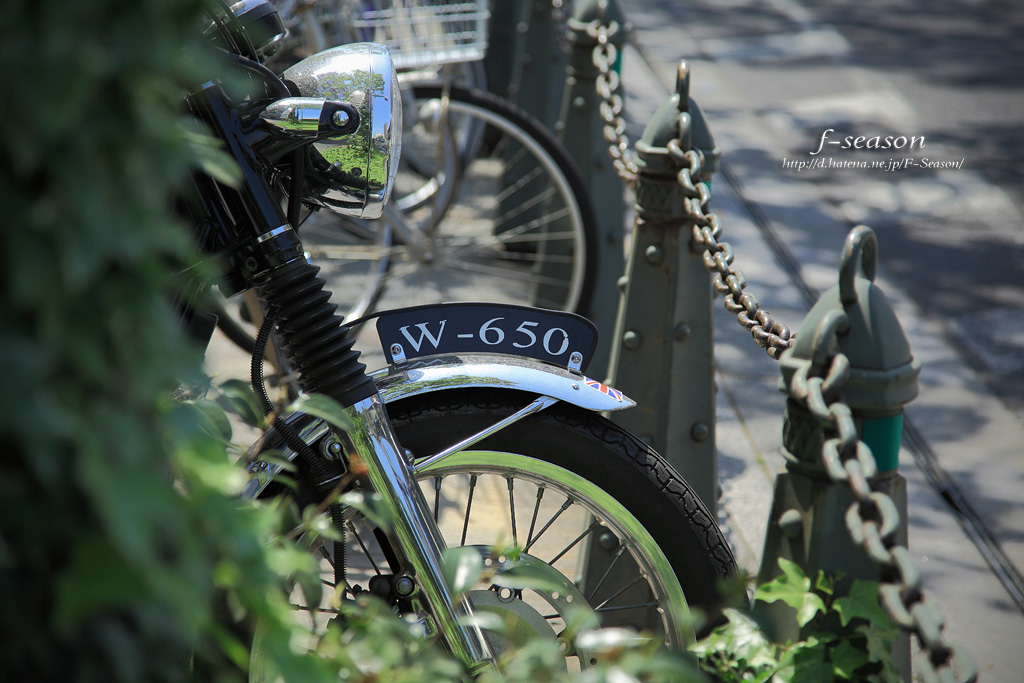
(424, 32)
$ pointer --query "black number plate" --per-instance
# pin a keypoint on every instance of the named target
(552, 336)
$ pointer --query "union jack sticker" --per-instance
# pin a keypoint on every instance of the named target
(603, 388)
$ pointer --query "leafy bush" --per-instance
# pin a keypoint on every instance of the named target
(852, 635)
(120, 553)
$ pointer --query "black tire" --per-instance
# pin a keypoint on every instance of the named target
(592, 447)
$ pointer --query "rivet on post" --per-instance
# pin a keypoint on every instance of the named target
(700, 432)
(655, 254)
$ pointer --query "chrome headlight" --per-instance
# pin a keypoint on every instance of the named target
(354, 174)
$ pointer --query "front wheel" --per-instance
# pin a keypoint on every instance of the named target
(582, 500)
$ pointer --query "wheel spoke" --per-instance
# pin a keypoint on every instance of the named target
(469, 506)
(512, 509)
(572, 545)
(508, 273)
(565, 506)
(521, 182)
(533, 519)
(619, 592)
(618, 608)
(366, 552)
(607, 571)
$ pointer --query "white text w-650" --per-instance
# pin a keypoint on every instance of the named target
(554, 340)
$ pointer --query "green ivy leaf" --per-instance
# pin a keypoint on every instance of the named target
(879, 641)
(847, 658)
(462, 568)
(209, 152)
(862, 602)
(242, 401)
(793, 588)
(810, 664)
(211, 418)
(324, 407)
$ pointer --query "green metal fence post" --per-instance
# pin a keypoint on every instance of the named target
(662, 353)
(808, 523)
(581, 129)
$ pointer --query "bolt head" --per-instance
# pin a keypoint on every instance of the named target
(654, 254)
(631, 340)
(607, 540)
(700, 432)
(404, 586)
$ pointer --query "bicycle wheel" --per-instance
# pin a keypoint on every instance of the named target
(487, 206)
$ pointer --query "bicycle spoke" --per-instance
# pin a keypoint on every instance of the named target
(510, 273)
(524, 205)
(521, 182)
(508, 234)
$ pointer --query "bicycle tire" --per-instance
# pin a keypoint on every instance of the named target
(511, 219)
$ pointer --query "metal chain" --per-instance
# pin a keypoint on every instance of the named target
(604, 56)
(560, 18)
(770, 335)
(718, 256)
(873, 519)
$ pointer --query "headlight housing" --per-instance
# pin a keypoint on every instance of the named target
(354, 174)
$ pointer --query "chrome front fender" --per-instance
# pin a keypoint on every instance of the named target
(462, 371)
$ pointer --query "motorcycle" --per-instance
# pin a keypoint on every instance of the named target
(481, 407)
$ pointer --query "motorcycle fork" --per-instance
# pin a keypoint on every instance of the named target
(414, 532)
(272, 259)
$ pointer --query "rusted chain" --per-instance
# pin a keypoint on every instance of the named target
(873, 519)
(608, 85)
(770, 335)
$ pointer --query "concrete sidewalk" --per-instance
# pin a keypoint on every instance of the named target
(759, 118)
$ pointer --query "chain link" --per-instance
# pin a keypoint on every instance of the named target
(873, 519)
(770, 335)
(607, 82)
